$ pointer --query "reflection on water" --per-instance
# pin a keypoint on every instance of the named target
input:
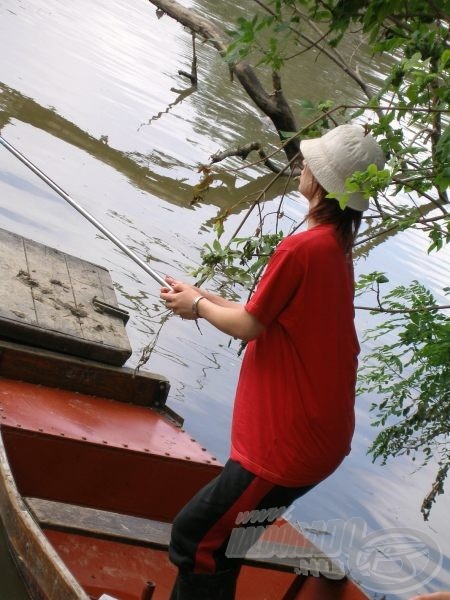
(135, 166)
(82, 105)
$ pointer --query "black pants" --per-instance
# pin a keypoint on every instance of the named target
(201, 532)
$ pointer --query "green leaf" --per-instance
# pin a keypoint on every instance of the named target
(382, 279)
(217, 247)
(286, 135)
(444, 62)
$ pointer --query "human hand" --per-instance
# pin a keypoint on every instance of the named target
(180, 300)
(172, 281)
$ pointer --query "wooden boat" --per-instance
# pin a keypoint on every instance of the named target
(93, 465)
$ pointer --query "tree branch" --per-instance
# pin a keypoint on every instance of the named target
(192, 76)
(243, 152)
(333, 55)
(399, 311)
(275, 105)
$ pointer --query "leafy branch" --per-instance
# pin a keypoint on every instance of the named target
(408, 113)
(409, 369)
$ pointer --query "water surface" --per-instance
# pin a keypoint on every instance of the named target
(90, 92)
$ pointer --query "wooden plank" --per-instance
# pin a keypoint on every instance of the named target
(16, 300)
(70, 345)
(81, 375)
(44, 571)
(95, 326)
(100, 523)
(109, 295)
(53, 296)
(40, 305)
(86, 285)
(315, 562)
(155, 534)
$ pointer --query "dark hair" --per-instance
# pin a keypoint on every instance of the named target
(347, 220)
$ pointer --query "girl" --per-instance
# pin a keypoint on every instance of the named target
(293, 416)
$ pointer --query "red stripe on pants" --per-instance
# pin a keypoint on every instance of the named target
(204, 560)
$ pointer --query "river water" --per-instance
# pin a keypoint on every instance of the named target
(90, 92)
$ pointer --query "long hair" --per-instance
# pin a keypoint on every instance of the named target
(347, 221)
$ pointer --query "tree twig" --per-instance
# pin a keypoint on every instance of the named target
(394, 311)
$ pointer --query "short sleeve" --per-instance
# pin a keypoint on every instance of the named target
(278, 284)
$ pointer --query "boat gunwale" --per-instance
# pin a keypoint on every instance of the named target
(44, 572)
(63, 371)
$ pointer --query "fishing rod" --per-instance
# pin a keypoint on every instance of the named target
(85, 213)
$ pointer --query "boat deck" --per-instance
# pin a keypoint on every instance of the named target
(95, 420)
(75, 459)
(54, 300)
(98, 452)
(97, 538)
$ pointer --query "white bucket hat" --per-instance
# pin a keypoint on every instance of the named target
(335, 156)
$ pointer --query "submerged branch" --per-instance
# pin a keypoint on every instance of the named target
(192, 76)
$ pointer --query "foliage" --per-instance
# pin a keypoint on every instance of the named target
(408, 113)
(369, 182)
(240, 261)
(409, 368)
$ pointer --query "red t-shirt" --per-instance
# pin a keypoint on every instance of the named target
(294, 409)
